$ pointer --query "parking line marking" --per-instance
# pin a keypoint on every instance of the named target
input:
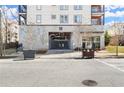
(113, 66)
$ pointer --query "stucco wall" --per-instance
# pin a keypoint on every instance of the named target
(48, 10)
(38, 36)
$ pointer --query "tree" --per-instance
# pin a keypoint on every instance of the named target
(5, 27)
(117, 29)
(2, 47)
(1, 43)
(107, 38)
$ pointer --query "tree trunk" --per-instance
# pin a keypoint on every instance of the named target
(117, 45)
(0, 37)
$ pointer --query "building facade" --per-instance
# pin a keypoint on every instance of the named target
(61, 26)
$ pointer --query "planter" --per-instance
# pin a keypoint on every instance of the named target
(87, 53)
(29, 54)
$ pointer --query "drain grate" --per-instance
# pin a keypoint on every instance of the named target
(89, 82)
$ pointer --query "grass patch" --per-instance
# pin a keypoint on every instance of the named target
(112, 49)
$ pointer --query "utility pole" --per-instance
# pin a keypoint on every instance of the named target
(1, 40)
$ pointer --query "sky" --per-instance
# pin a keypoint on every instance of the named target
(11, 11)
(113, 13)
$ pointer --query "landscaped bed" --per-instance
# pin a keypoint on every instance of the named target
(112, 49)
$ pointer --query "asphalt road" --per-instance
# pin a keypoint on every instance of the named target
(60, 70)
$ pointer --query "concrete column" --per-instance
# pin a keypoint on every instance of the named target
(80, 40)
(76, 40)
(102, 43)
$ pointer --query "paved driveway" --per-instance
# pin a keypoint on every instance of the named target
(64, 70)
(114, 63)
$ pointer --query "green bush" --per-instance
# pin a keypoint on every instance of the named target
(41, 51)
(107, 38)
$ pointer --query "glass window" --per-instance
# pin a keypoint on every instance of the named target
(97, 39)
(63, 7)
(53, 16)
(77, 18)
(38, 7)
(63, 19)
(38, 18)
(60, 28)
(78, 7)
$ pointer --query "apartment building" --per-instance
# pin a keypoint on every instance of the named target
(10, 31)
(61, 26)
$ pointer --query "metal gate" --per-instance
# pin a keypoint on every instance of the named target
(59, 40)
(59, 44)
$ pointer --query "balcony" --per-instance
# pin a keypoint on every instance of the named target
(22, 19)
(97, 20)
(97, 10)
(22, 8)
(22, 14)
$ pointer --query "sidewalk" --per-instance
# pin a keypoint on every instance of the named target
(70, 55)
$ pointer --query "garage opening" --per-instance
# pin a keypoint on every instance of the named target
(59, 40)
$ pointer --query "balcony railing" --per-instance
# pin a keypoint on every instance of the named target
(97, 22)
(97, 9)
(22, 8)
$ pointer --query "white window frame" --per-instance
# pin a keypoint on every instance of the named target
(64, 7)
(78, 7)
(38, 7)
(77, 20)
(64, 18)
(38, 18)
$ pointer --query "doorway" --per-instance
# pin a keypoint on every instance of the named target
(59, 40)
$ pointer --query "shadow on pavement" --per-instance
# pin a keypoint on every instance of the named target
(7, 57)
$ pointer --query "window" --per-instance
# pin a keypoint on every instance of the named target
(77, 18)
(60, 28)
(63, 19)
(53, 16)
(63, 7)
(38, 18)
(78, 7)
(38, 7)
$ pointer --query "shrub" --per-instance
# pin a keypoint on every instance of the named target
(77, 49)
(41, 51)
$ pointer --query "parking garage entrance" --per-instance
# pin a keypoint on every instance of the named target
(59, 40)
